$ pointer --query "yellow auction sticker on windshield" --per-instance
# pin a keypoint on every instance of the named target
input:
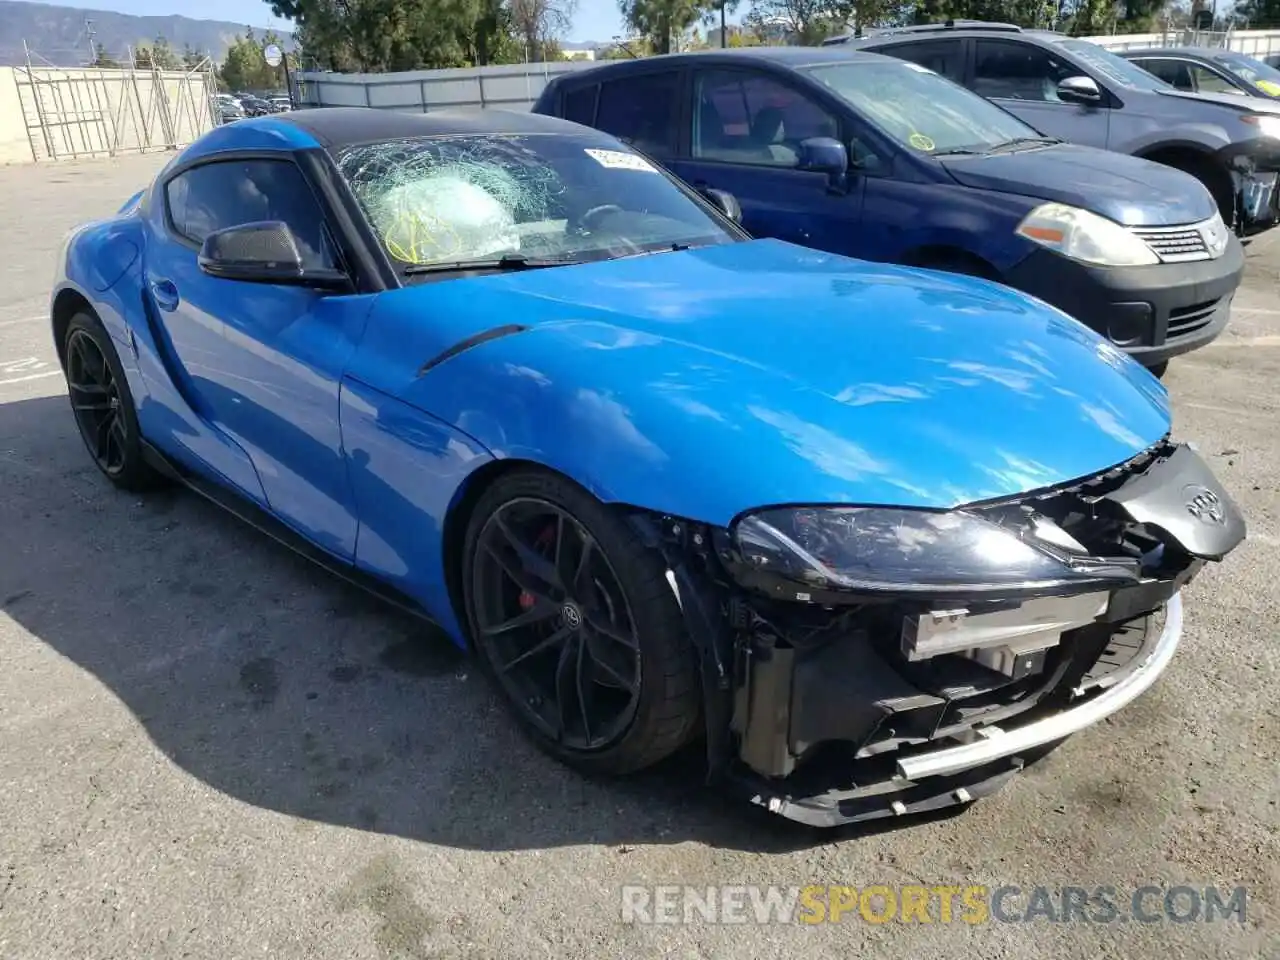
(921, 142)
(617, 160)
(1269, 87)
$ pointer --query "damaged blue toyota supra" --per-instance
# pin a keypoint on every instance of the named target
(869, 539)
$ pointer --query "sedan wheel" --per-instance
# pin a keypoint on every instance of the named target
(575, 622)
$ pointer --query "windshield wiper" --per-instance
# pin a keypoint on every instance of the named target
(1024, 142)
(508, 261)
(957, 152)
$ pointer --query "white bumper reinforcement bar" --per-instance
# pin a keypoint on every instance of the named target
(996, 743)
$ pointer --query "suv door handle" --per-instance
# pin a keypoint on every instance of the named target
(165, 293)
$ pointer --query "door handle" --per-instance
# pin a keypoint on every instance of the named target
(165, 293)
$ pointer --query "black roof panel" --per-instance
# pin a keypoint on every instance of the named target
(338, 127)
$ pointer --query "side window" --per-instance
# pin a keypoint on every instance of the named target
(1210, 81)
(743, 117)
(1006, 70)
(945, 57)
(642, 111)
(229, 193)
(1173, 72)
(580, 105)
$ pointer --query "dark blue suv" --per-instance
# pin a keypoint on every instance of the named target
(883, 159)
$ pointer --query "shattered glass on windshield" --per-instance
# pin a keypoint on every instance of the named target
(439, 200)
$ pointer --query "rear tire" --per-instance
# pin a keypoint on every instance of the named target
(573, 619)
(103, 406)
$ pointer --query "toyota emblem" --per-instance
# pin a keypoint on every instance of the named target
(1204, 504)
(572, 616)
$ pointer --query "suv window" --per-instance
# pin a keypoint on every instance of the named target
(941, 56)
(580, 105)
(1173, 72)
(1007, 70)
(745, 117)
(1210, 81)
(229, 193)
(642, 111)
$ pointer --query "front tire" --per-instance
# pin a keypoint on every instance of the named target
(103, 406)
(573, 619)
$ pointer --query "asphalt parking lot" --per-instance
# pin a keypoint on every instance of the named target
(208, 748)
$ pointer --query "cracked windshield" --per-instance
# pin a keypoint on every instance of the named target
(563, 198)
(922, 110)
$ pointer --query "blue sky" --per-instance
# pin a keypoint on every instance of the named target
(595, 19)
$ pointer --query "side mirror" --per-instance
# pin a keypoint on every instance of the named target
(725, 202)
(824, 155)
(1079, 90)
(264, 252)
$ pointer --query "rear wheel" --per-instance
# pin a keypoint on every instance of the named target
(574, 620)
(103, 406)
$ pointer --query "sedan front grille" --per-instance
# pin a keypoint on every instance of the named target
(1175, 244)
(1184, 321)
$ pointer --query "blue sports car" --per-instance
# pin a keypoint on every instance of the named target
(870, 538)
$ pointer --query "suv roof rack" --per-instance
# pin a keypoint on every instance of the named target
(956, 25)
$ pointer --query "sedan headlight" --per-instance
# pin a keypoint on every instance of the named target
(1216, 235)
(904, 551)
(1082, 235)
(1268, 124)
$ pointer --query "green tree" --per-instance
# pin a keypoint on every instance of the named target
(662, 20)
(103, 59)
(158, 55)
(191, 58)
(245, 66)
(1259, 14)
(377, 35)
(539, 25)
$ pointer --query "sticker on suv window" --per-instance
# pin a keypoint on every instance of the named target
(617, 160)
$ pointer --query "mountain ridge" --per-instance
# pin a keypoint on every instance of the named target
(59, 35)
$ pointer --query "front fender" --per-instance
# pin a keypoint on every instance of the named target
(698, 432)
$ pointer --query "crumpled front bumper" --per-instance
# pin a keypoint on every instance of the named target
(911, 706)
(1255, 173)
(931, 777)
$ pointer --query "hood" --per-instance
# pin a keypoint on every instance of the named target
(1235, 101)
(710, 381)
(1134, 192)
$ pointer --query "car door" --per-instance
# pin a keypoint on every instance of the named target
(263, 361)
(745, 130)
(1023, 78)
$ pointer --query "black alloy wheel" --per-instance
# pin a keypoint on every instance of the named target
(558, 630)
(575, 622)
(103, 406)
(95, 399)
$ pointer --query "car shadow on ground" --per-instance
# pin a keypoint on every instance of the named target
(275, 683)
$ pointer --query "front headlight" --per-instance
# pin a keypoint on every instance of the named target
(1216, 235)
(901, 551)
(1268, 124)
(1082, 235)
